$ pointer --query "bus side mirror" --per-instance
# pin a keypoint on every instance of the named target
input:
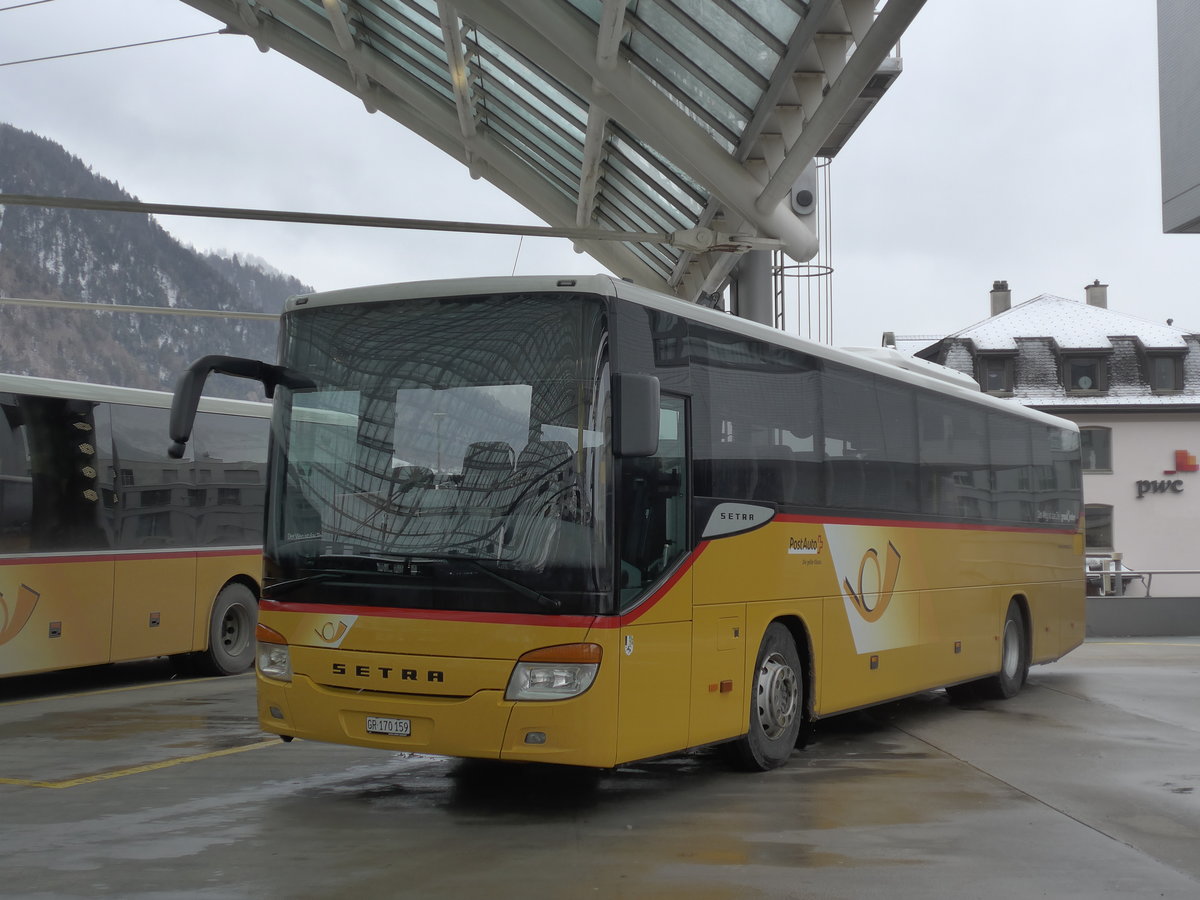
(191, 386)
(635, 415)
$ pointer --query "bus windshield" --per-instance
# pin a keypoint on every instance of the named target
(453, 455)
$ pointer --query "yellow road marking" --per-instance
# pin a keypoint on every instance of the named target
(119, 690)
(136, 770)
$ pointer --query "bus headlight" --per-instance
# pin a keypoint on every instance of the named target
(554, 673)
(274, 655)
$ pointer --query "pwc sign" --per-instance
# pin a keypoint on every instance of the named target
(1184, 462)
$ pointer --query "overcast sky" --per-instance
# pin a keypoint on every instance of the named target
(1020, 143)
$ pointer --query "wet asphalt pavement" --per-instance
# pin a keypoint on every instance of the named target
(123, 782)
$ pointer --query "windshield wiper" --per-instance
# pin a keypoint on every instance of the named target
(523, 589)
(286, 587)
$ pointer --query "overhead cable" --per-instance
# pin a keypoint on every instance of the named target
(697, 239)
(21, 62)
(23, 5)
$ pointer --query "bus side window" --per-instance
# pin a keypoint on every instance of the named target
(67, 473)
(654, 500)
(16, 485)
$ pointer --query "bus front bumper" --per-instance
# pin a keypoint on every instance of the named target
(481, 726)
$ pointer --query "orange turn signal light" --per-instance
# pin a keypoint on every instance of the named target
(268, 635)
(565, 653)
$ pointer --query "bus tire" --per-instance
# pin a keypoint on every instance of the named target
(230, 632)
(776, 704)
(1014, 658)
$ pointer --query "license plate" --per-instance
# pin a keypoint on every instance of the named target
(395, 727)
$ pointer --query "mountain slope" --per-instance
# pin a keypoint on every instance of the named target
(119, 259)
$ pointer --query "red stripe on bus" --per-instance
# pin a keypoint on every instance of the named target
(120, 556)
(435, 615)
(552, 621)
(663, 590)
(909, 523)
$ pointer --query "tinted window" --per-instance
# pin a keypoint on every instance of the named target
(1012, 468)
(654, 503)
(16, 482)
(67, 473)
(1056, 475)
(152, 489)
(870, 442)
(758, 418)
(955, 480)
(233, 450)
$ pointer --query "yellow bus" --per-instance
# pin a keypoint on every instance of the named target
(109, 549)
(570, 520)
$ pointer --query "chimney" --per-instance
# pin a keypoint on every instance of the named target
(1097, 294)
(1001, 297)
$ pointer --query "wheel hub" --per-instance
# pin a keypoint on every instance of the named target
(1012, 650)
(777, 693)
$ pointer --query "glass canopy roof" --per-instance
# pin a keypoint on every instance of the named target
(665, 136)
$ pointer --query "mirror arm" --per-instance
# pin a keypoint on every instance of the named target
(191, 386)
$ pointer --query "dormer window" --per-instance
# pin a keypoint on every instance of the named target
(996, 374)
(1165, 371)
(1084, 374)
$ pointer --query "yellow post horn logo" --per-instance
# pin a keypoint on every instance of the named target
(887, 584)
(331, 633)
(13, 620)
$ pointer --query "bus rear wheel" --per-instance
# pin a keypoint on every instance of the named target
(1014, 664)
(776, 704)
(230, 632)
(1014, 658)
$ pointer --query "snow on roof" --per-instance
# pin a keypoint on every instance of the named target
(1051, 400)
(911, 343)
(1073, 324)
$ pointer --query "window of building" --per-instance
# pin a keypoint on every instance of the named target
(156, 497)
(1098, 534)
(1165, 371)
(1084, 374)
(1096, 444)
(996, 374)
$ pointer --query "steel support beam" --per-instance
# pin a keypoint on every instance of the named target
(878, 42)
(407, 101)
(564, 48)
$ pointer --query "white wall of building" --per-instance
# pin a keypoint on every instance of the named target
(1162, 529)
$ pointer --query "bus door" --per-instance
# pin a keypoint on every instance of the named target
(656, 601)
(55, 578)
(157, 502)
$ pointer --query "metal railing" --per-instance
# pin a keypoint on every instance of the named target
(1112, 577)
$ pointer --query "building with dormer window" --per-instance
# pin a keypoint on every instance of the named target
(1133, 387)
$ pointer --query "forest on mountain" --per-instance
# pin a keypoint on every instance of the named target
(121, 259)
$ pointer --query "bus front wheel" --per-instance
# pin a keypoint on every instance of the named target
(776, 704)
(230, 632)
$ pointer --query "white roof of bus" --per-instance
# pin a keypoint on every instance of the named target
(943, 380)
(107, 393)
